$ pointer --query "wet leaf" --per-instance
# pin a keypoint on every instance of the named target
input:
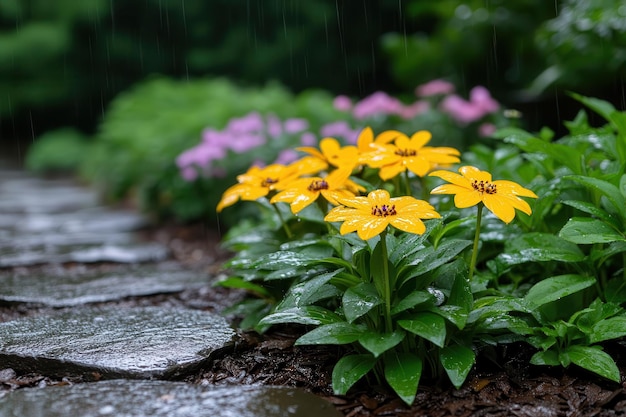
(310, 291)
(457, 360)
(555, 288)
(378, 343)
(590, 208)
(403, 371)
(608, 190)
(607, 329)
(359, 300)
(429, 258)
(549, 357)
(340, 333)
(583, 230)
(236, 282)
(414, 299)
(428, 325)
(303, 315)
(349, 370)
(593, 359)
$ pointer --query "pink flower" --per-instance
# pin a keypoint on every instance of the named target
(342, 103)
(251, 122)
(274, 126)
(412, 110)
(296, 125)
(375, 104)
(308, 139)
(461, 110)
(245, 142)
(480, 97)
(486, 129)
(287, 156)
(434, 87)
(189, 173)
(480, 104)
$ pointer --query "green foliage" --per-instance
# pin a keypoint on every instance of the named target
(524, 41)
(404, 303)
(146, 128)
(58, 151)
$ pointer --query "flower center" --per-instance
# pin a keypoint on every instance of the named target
(384, 210)
(268, 182)
(484, 187)
(317, 185)
(405, 152)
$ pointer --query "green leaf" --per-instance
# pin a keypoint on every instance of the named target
(414, 299)
(607, 329)
(378, 343)
(428, 325)
(403, 371)
(555, 288)
(408, 244)
(237, 282)
(340, 333)
(303, 315)
(349, 370)
(454, 314)
(549, 357)
(584, 230)
(602, 107)
(610, 191)
(593, 359)
(457, 360)
(359, 300)
(310, 291)
(428, 259)
(590, 208)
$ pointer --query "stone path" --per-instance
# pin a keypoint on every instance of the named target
(130, 354)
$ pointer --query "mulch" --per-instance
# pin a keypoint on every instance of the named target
(501, 384)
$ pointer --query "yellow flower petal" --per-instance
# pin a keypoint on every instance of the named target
(500, 207)
(412, 225)
(421, 138)
(467, 198)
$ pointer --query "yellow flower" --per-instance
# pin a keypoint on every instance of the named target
(303, 191)
(332, 152)
(407, 153)
(370, 215)
(256, 183)
(474, 186)
(366, 142)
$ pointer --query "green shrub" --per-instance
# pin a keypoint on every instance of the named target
(58, 151)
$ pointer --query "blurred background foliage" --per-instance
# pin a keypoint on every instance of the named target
(62, 62)
(141, 80)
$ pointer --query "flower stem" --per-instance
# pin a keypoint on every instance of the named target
(407, 183)
(479, 216)
(386, 282)
(282, 221)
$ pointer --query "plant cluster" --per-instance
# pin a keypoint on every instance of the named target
(266, 139)
(364, 245)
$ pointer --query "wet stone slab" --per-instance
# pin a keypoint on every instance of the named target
(163, 399)
(72, 287)
(58, 254)
(33, 195)
(107, 343)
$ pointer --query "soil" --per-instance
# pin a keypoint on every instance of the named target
(501, 384)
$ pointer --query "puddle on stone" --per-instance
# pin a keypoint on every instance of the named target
(122, 398)
(33, 195)
(62, 287)
(148, 342)
(131, 253)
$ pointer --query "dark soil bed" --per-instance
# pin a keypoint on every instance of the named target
(502, 383)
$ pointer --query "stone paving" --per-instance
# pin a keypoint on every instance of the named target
(130, 354)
